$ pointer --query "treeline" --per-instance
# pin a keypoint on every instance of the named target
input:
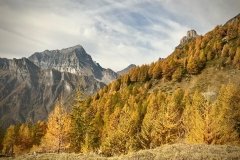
(132, 119)
(50, 136)
(20, 139)
(221, 46)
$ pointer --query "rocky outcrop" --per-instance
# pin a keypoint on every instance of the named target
(29, 87)
(127, 69)
(190, 35)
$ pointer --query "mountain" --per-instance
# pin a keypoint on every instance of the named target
(29, 87)
(126, 70)
(190, 96)
(74, 60)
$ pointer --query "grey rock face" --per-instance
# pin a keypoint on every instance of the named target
(190, 35)
(74, 60)
(30, 87)
(126, 70)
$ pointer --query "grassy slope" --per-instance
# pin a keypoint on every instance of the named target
(210, 79)
(166, 152)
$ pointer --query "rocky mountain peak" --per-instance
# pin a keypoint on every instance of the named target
(78, 50)
(125, 70)
(29, 87)
(67, 52)
(190, 35)
(78, 46)
(74, 60)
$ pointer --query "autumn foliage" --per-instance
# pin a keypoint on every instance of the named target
(130, 114)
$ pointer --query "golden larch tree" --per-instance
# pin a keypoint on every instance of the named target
(57, 137)
(9, 140)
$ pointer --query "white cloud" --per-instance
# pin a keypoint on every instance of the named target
(114, 33)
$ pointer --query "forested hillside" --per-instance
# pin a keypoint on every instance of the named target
(191, 96)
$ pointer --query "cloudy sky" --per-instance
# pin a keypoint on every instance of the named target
(115, 33)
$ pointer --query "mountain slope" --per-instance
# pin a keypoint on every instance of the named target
(126, 70)
(28, 93)
(159, 103)
(74, 60)
(30, 87)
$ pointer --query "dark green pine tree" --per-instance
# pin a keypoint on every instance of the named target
(78, 123)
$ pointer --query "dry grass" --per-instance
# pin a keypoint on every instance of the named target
(166, 152)
(187, 152)
(210, 79)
